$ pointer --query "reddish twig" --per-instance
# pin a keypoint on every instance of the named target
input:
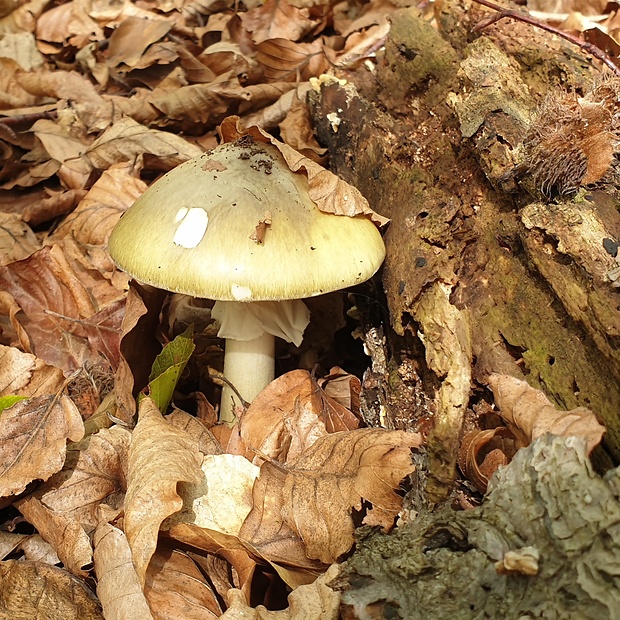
(589, 48)
(19, 119)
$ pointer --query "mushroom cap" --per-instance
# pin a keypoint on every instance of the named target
(236, 224)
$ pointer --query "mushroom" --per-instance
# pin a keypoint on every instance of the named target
(237, 225)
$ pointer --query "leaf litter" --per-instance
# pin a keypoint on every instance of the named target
(170, 515)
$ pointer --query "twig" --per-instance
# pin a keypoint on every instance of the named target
(589, 48)
(27, 118)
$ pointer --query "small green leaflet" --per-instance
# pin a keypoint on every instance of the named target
(9, 401)
(167, 368)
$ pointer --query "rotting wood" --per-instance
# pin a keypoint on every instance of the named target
(434, 139)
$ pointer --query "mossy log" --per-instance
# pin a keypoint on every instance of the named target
(484, 274)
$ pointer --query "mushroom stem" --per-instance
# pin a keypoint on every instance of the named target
(249, 366)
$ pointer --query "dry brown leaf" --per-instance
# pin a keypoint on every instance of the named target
(202, 103)
(284, 60)
(277, 19)
(289, 415)
(91, 476)
(118, 586)
(21, 47)
(68, 22)
(109, 197)
(207, 443)
(313, 498)
(131, 38)
(24, 374)
(12, 95)
(71, 312)
(17, 240)
(33, 436)
(315, 601)
(34, 548)
(483, 452)
(51, 207)
(65, 534)
(67, 85)
(160, 457)
(228, 547)
(37, 590)
(530, 414)
(176, 588)
(126, 140)
(297, 129)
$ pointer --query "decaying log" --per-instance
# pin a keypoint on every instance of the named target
(543, 545)
(483, 275)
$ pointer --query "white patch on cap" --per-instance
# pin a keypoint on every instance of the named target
(192, 228)
(181, 213)
(241, 293)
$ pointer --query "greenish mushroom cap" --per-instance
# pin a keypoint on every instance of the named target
(236, 224)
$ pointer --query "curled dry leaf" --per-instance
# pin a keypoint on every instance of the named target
(482, 452)
(530, 414)
(176, 588)
(118, 586)
(37, 590)
(160, 456)
(330, 193)
(289, 415)
(63, 533)
(311, 501)
(33, 436)
(27, 375)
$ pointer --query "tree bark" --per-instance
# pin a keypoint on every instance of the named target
(482, 276)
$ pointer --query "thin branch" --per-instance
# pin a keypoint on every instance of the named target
(587, 47)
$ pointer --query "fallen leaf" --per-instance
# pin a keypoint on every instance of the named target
(311, 501)
(118, 586)
(277, 19)
(330, 193)
(483, 452)
(17, 240)
(91, 476)
(222, 499)
(64, 534)
(176, 588)
(160, 456)
(97, 213)
(315, 601)
(37, 590)
(33, 436)
(126, 140)
(24, 374)
(530, 414)
(289, 415)
(285, 60)
(132, 36)
(68, 309)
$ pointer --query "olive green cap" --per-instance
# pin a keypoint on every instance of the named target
(236, 224)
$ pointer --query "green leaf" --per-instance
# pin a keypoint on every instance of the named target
(167, 368)
(9, 401)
